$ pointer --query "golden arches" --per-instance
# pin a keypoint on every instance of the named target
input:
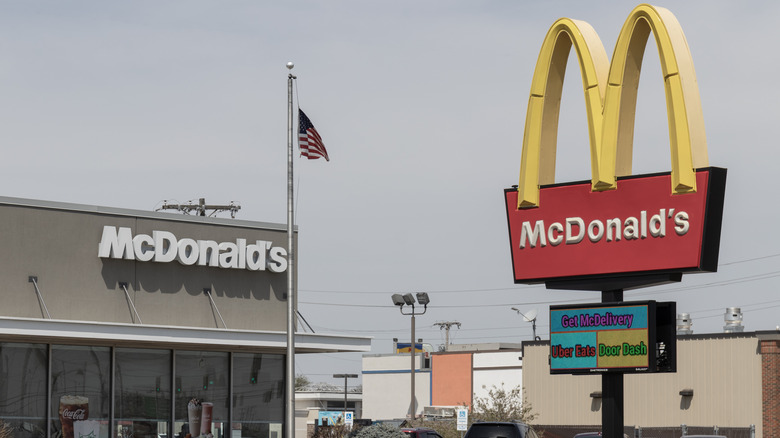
(541, 123)
(610, 100)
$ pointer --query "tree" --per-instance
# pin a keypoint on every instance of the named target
(501, 404)
(334, 431)
(301, 382)
(447, 428)
(325, 387)
(381, 430)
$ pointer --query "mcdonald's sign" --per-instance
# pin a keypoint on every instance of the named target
(617, 225)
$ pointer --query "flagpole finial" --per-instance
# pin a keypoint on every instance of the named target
(290, 66)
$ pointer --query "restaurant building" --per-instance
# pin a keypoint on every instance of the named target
(122, 323)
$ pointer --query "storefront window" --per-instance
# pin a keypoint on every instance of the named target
(143, 392)
(81, 387)
(80, 384)
(258, 395)
(23, 379)
(202, 388)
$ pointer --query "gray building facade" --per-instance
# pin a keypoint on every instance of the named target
(123, 323)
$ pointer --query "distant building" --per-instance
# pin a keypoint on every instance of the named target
(442, 379)
(471, 371)
(309, 405)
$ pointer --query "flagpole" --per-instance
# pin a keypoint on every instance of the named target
(290, 370)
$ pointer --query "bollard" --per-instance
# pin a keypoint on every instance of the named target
(752, 431)
(684, 429)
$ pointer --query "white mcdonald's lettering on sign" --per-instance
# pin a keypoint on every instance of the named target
(163, 246)
(614, 229)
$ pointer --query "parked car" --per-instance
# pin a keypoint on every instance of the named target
(420, 432)
(592, 435)
(704, 436)
(500, 429)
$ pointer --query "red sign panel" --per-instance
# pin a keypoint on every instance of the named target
(641, 227)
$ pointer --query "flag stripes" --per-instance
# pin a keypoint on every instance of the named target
(309, 140)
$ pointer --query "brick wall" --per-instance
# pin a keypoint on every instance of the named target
(770, 370)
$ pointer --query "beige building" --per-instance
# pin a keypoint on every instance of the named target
(729, 380)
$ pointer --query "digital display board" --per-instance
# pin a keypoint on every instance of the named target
(620, 337)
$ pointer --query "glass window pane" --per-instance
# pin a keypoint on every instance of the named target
(81, 379)
(203, 379)
(339, 406)
(143, 392)
(23, 379)
(258, 395)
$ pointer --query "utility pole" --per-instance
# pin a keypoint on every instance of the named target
(446, 326)
(345, 377)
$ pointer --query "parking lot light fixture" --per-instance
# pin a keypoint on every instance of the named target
(408, 299)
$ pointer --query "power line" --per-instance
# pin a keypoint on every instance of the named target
(515, 288)
(765, 305)
(728, 282)
(749, 260)
(424, 330)
(446, 326)
(452, 291)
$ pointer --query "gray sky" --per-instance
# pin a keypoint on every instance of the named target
(421, 106)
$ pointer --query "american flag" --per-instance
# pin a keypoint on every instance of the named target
(309, 139)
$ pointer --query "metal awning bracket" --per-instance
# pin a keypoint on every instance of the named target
(207, 292)
(44, 310)
(123, 285)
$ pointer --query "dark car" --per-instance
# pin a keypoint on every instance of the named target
(420, 432)
(500, 430)
(592, 435)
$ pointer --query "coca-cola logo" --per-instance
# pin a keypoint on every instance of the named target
(78, 414)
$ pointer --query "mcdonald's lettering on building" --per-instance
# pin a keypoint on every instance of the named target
(617, 224)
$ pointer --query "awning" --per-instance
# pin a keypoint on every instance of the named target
(52, 331)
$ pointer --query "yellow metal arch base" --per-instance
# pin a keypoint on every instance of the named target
(610, 101)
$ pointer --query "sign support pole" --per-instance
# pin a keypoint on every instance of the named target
(612, 422)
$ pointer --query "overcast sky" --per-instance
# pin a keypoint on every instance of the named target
(421, 106)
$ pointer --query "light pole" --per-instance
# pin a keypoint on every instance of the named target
(408, 299)
(529, 317)
(345, 377)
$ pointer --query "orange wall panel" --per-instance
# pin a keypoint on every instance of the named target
(451, 379)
